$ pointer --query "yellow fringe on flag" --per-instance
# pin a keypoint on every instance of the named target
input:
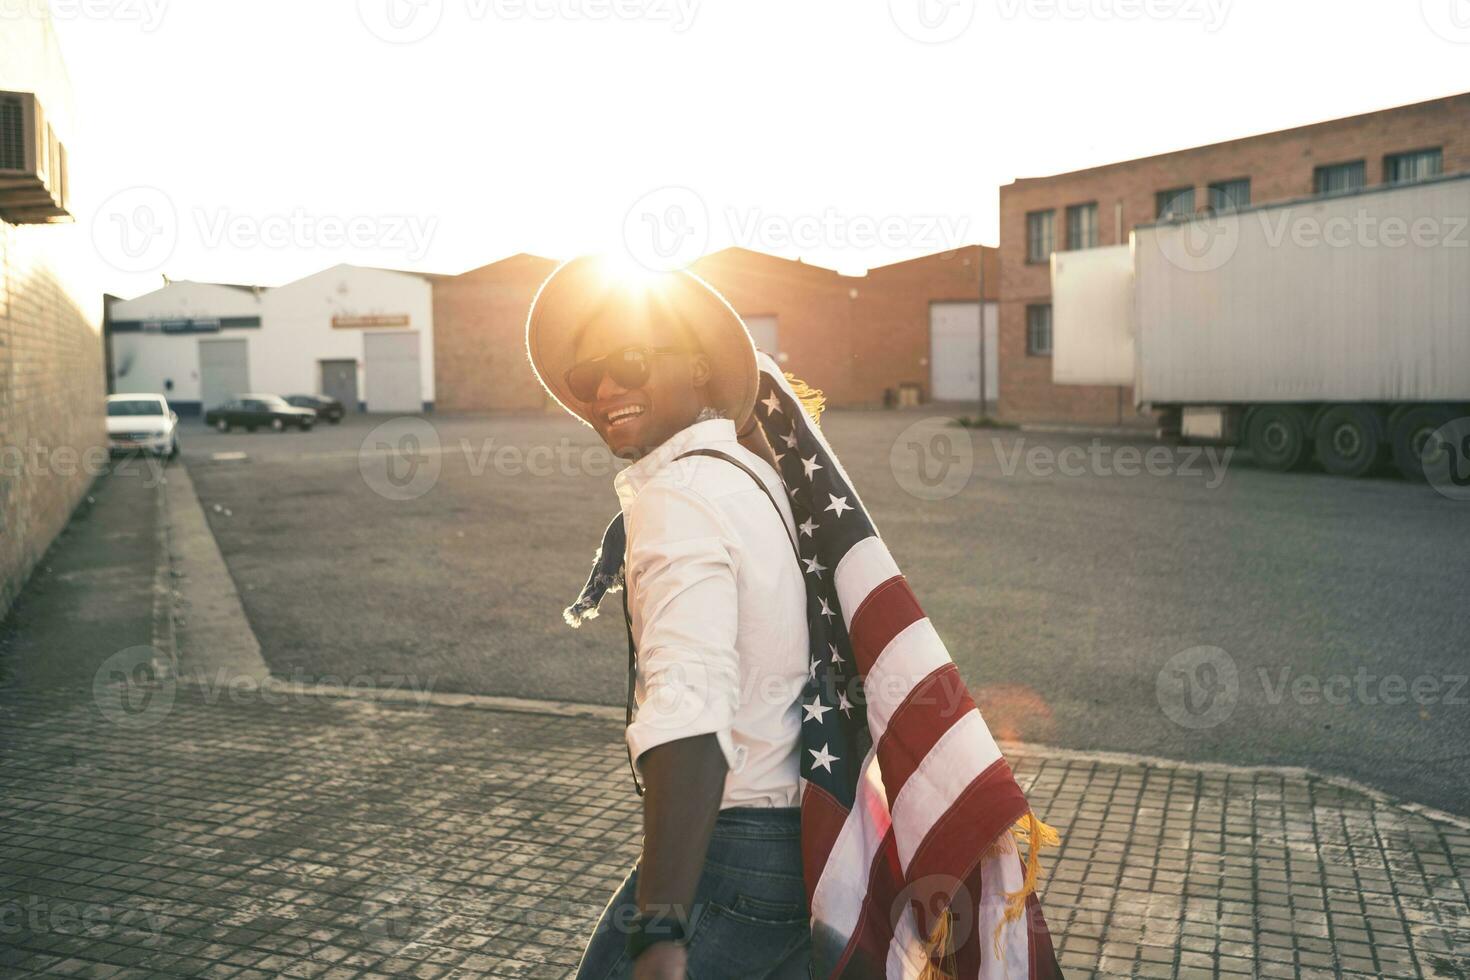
(812, 399)
(1033, 833)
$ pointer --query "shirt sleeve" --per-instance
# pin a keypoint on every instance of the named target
(681, 566)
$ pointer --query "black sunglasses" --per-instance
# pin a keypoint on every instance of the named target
(629, 367)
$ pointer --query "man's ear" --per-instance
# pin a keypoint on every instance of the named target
(700, 370)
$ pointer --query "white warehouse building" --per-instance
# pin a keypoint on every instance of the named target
(361, 335)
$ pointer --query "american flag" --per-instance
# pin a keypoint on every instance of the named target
(906, 803)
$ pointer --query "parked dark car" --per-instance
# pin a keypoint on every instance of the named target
(329, 409)
(251, 412)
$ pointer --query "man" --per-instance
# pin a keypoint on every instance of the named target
(662, 367)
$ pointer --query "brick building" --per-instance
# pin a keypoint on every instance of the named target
(52, 388)
(480, 337)
(1101, 206)
(862, 339)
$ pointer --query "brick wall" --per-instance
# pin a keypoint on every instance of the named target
(851, 336)
(891, 335)
(812, 306)
(1280, 166)
(52, 390)
(480, 337)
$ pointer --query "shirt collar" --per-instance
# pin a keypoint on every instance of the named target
(709, 433)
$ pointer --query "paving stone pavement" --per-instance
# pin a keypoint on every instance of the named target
(173, 830)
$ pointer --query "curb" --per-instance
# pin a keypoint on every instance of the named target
(211, 630)
(603, 712)
(1226, 768)
(1146, 434)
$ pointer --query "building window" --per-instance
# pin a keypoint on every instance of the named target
(1340, 178)
(1082, 226)
(1039, 236)
(1176, 203)
(1405, 168)
(1230, 195)
(1038, 329)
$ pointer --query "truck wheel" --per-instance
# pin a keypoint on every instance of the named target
(1411, 431)
(1349, 440)
(1278, 437)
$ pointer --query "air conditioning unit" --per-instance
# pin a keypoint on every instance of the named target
(33, 178)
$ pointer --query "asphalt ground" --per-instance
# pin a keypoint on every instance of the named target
(1094, 596)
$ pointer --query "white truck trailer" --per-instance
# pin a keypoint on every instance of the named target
(1333, 326)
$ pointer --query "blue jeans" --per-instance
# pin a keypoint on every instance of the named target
(749, 917)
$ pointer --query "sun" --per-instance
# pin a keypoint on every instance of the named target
(622, 271)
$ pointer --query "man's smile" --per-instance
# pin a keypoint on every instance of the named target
(622, 415)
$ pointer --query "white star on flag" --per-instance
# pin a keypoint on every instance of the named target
(811, 669)
(815, 710)
(837, 658)
(811, 465)
(790, 438)
(808, 526)
(814, 567)
(826, 609)
(844, 705)
(838, 504)
(773, 404)
(823, 757)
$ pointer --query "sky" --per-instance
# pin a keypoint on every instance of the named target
(256, 141)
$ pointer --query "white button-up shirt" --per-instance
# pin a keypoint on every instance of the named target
(718, 608)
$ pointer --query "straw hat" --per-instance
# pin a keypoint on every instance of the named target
(589, 286)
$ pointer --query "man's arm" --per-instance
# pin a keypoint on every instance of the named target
(684, 782)
(682, 590)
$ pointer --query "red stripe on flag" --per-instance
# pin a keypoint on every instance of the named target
(822, 818)
(883, 614)
(983, 811)
(950, 853)
(932, 706)
(867, 949)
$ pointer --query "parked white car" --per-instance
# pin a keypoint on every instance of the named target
(142, 423)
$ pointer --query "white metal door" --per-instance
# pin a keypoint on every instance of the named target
(954, 351)
(391, 364)
(763, 332)
(224, 371)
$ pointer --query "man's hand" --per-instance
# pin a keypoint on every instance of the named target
(662, 961)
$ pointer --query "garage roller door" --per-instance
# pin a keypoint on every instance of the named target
(392, 372)
(224, 371)
(954, 352)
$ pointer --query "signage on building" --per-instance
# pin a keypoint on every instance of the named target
(373, 320)
(210, 325)
(185, 324)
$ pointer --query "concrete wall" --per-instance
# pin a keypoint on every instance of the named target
(1280, 167)
(297, 321)
(52, 433)
(146, 362)
(294, 334)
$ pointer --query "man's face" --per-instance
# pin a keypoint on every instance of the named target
(648, 414)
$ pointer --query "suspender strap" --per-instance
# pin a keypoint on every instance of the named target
(628, 618)
(632, 673)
